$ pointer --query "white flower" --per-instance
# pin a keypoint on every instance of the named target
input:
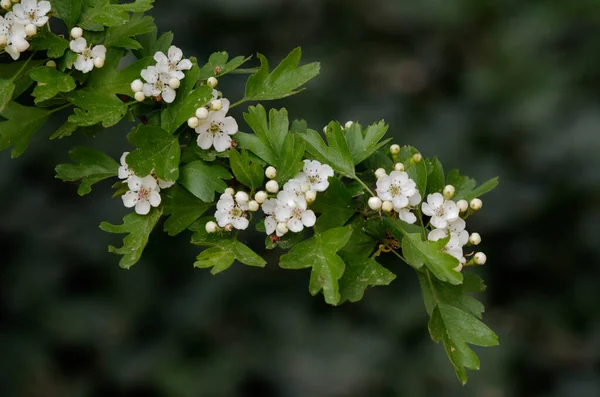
(292, 210)
(405, 214)
(172, 63)
(396, 187)
(157, 84)
(269, 207)
(143, 194)
(216, 129)
(294, 186)
(453, 247)
(124, 171)
(30, 11)
(86, 55)
(457, 228)
(230, 212)
(441, 211)
(315, 175)
(16, 42)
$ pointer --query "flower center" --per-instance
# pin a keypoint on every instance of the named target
(297, 213)
(313, 179)
(440, 211)
(87, 53)
(236, 212)
(215, 128)
(143, 193)
(395, 190)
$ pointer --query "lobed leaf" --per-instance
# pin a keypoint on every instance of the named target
(68, 11)
(20, 125)
(157, 151)
(183, 207)
(218, 65)
(361, 273)
(363, 143)
(335, 152)
(203, 180)
(51, 82)
(91, 166)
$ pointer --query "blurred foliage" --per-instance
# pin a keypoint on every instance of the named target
(495, 87)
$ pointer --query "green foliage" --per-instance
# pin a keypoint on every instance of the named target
(285, 80)
(465, 186)
(203, 179)
(183, 207)
(20, 125)
(138, 229)
(68, 11)
(218, 65)
(361, 273)
(246, 171)
(98, 14)
(157, 151)
(96, 106)
(91, 167)
(435, 176)
(363, 143)
(335, 152)
(18, 73)
(53, 44)
(7, 88)
(320, 254)
(122, 36)
(335, 206)
(51, 82)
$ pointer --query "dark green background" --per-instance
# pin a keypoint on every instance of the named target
(493, 87)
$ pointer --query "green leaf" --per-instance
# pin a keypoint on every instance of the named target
(7, 88)
(18, 73)
(156, 150)
(22, 122)
(218, 66)
(50, 83)
(96, 106)
(363, 241)
(138, 229)
(65, 130)
(202, 179)
(334, 205)
(47, 41)
(183, 208)
(335, 153)
(319, 253)
(360, 274)
(416, 171)
(429, 253)
(455, 321)
(91, 167)
(68, 11)
(121, 36)
(247, 172)
(218, 258)
(363, 143)
(435, 176)
(99, 13)
(151, 44)
(285, 80)
(465, 186)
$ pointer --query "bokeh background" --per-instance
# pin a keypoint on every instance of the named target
(494, 87)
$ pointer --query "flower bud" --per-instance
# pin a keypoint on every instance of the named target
(76, 32)
(375, 203)
(305, 187)
(271, 172)
(174, 83)
(211, 227)
(399, 167)
(6, 4)
(458, 268)
(212, 82)
(324, 129)
(310, 196)
(228, 227)
(230, 191)
(380, 173)
(348, 124)
(3, 40)
(216, 105)
(261, 197)
(242, 197)
(98, 62)
(253, 206)
(202, 113)
(449, 191)
(272, 186)
(476, 204)
(193, 122)
(282, 228)
(475, 239)
(51, 64)
(395, 149)
(417, 157)
(30, 30)
(139, 96)
(462, 205)
(480, 258)
(387, 206)
(137, 85)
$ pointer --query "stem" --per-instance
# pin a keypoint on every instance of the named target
(399, 256)
(357, 179)
(244, 71)
(423, 230)
(428, 274)
(238, 103)
(60, 108)
(22, 67)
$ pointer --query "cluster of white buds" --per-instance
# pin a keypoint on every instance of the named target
(144, 192)
(396, 192)
(289, 212)
(88, 56)
(20, 23)
(213, 126)
(162, 79)
(446, 220)
(232, 211)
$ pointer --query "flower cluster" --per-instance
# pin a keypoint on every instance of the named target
(20, 23)
(162, 79)
(397, 192)
(211, 123)
(88, 56)
(144, 192)
(447, 222)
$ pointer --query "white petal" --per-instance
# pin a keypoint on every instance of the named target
(160, 57)
(168, 94)
(99, 51)
(435, 200)
(450, 210)
(438, 222)
(320, 186)
(205, 140)
(463, 237)
(124, 172)
(154, 198)
(43, 7)
(311, 167)
(134, 183)
(78, 45)
(222, 218)
(222, 142)
(142, 207)
(177, 74)
(400, 202)
(415, 199)
(269, 207)
(427, 210)
(149, 182)
(229, 126)
(13, 52)
(295, 225)
(150, 74)
(185, 64)
(326, 171)
(29, 5)
(309, 218)
(175, 54)
(124, 158)
(436, 234)
(165, 184)
(270, 225)
(150, 90)
(407, 216)
(457, 225)
(282, 214)
(130, 199)
(40, 21)
(240, 223)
